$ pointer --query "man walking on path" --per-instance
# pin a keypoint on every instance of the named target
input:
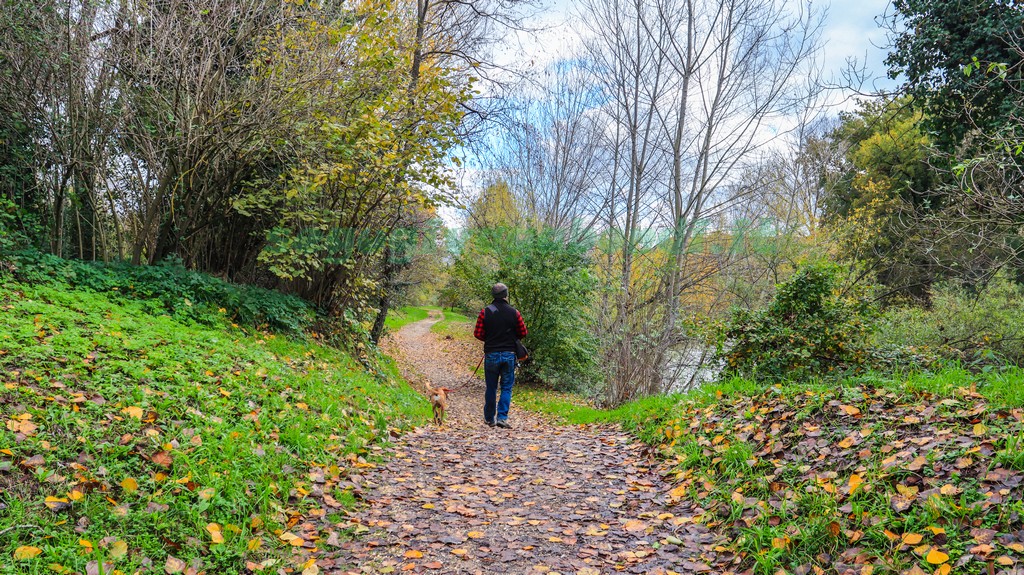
(498, 326)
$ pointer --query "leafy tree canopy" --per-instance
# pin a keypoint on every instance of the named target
(937, 42)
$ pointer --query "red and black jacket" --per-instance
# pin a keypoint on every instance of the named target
(498, 326)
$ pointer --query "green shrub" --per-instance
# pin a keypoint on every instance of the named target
(173, 289)
(550, 282)
(977, 328)
(809, 329)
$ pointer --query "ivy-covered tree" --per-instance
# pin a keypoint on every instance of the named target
(962, 61)
(935, 47)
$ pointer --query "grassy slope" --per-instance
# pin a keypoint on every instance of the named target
(400, 317)
(154, 437)
(892, 475)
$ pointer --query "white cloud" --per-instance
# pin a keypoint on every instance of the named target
(852, 30)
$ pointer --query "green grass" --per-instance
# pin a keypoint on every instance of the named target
(739, 450)
(406, 315)
(454, 324)
(151, 435)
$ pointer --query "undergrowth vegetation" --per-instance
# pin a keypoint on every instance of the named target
(814, 328)
(915, 474)
(810, 329)
(170, 288)
(977, 327)
(133, 436)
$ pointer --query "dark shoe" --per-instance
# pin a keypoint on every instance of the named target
(489, 423)
(504, 424)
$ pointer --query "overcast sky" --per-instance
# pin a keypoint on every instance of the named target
(851, 31)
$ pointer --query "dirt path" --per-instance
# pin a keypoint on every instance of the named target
(538, 498)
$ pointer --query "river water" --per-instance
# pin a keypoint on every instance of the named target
(690, 367)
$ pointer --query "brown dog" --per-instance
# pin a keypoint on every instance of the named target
(439, 401)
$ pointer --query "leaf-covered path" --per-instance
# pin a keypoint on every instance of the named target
(538, 498)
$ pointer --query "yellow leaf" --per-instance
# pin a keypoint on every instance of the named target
(130, 484)
(935, 530)
(253, 544)
(780, 542)
(118, 549)
(678, 492)
(215, 533)
(936, 557)
(912, 538)
(850, 410)
(474, 534)
(943, 569)
(413, 554)
(75, 495)
(980, 429)
(907, 491)
(56, 503)
(26, 552)
(634, 525)
(855, 482)
(310, 568)
(133, 411)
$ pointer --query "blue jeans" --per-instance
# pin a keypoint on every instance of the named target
(499, 367)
